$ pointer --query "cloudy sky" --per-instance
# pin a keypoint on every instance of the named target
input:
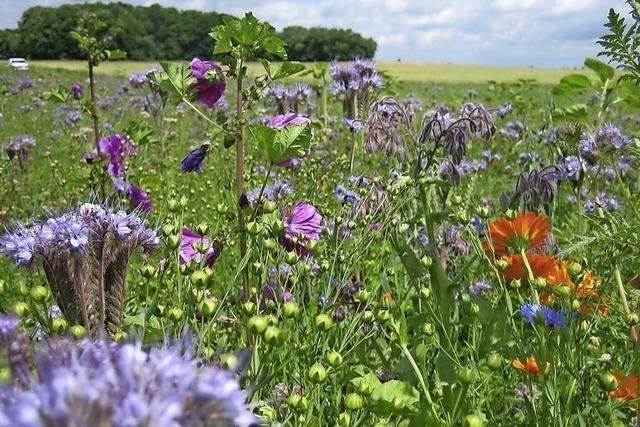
(502, 32)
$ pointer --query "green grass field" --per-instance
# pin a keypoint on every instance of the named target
(404, 71)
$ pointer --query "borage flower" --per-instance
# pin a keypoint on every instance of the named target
(188, 251)
(530, 366)
(526, 231)
(303, 220)
(209, 85)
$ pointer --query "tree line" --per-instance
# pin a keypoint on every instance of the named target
(156, 32)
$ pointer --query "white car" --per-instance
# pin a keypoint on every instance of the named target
(18, 64)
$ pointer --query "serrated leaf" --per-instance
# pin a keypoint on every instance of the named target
(572, 113)
(222, 37)
(116, 54)
(275, 46)
(604, 71)
(573, 84)
(287, 69)
(282, 144)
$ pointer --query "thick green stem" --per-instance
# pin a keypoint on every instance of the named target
(94, 113)
(621, 292)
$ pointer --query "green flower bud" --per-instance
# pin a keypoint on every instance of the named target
(575, 269)
(3, 286)
(249, 307)
(362, 296)
(267, 412)
(317, 373)
(294, 401)
(184, 201)
(207, 307)
(257, 324)
(633, 319)
(425, 293)
(168, 230)
(502, 264)
(466, 375)
(609, 381)
(175, 314)
(510, 214)
(335, 359)
(344, 419)
(254, 228)
(172, 242)
(222, 209)
(269, 206)
(368, 316)
(59, 325)
(40, 294)
(290, 310)
(291, 258)
(324, 322)
(473, 420)
(540, 283)
(273, 335)
(269, 244)
(483, 212)
(202, 228)
(228, 361)
(24, 290)
(311, 245)
(148, 271)
(277, 227)
(199, 278)
(78, 331)
(384, 316)
(428, 329)
(398, 404)
(474, 310)
(21, 308)
(562, 291)
(173, 206)
(516, 283)
(494, 360)
(456, 200)
(120, 335)
(575, 305)
(5, 375)
(353, 401)
(426, 261)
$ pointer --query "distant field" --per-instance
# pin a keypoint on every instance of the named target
(405, 71)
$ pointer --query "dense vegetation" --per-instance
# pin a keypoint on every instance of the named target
(157, 32)
(193, 246)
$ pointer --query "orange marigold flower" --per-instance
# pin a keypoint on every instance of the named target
(527, 231)
(628, 388)
(541, 266)
(530, 366)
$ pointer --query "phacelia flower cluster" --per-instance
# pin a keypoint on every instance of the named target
(353, 82)
(104, 383)
(293, 98)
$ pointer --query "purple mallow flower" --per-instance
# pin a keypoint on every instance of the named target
(209, 85)
(106, 383)
(194, 161)
(302, 222)
(76, 90)
(188, 251)
(139, 198)
(117, 147)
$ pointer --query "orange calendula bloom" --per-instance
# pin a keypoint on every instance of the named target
(527, 231)
(541, 266)
(530, 366)
(628, 388)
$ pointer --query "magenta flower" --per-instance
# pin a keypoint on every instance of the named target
(209, 85)
(76, 90)
(189, 253)
(283, 120)
(116, 147)
(139, 198)
(301, 219)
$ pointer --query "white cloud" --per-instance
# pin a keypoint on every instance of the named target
(518, 32)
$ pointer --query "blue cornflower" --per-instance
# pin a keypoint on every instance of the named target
(551, 317)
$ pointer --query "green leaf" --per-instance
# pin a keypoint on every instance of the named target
(275, 46)
(287, 69)
(58, 94)
(116, 54)
(176, 80)
(572, 113)
(604, 71)
(394, 397)
(222, 37)
(572, 84)
(282, 144)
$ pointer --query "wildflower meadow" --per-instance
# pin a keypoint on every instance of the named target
(318, 244)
